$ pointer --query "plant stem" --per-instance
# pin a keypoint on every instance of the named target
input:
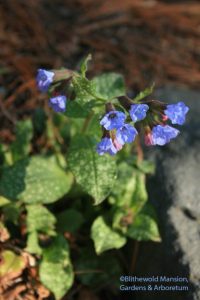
(134, 257)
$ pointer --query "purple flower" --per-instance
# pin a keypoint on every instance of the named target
(126, 134)
(138, 111)
(176, 112)
(106, 146)
(113, 120)
(162, 135)
(58, 103)
(44, 79)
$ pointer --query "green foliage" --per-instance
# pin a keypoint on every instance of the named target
(21, 146)
(105, 237)
(12, 212)
(33, 243)
(56, 271)
(109, 86)
(3, 201)
(84, 64)
(40, 219)
(148, 91)
(144, 228)
(11, 264)
(35, 180)
(96, 174)
(52, 210)
(69, 220)
(94, 270)
(129, 189)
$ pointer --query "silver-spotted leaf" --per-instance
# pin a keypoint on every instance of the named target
(40, 219)
(144, 228)
(55, 270)
(33, 243)
(35, 180)
(96, 174)
(105, 237)
(109, 85)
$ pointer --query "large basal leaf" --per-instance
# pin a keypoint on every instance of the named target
(40, 219)
(105, 237)
(96, 174)
(55, 270)
(109, 85)
(35, 180)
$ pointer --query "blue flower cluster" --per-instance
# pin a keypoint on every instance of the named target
(124, 133)
(162, 134)
(44, 79)
(156, 132)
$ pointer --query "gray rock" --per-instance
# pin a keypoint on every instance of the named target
(175, 192)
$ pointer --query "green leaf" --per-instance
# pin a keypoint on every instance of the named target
(105, 237)
(147, 167)
(75, 110)
(84, 64)
(130, 188)
(122, 218)
(11, 212)
(148, 91)
(35, 180)
(109, 85)
(33, 244)
(4, 233)
(96, 174)
(69, 220)
(140, 195)
(21, 146)
(144, 227)
(55, 270)
(3, 201)
(11, 264)
(39, 218)
(84, 89)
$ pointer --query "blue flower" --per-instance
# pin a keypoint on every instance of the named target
(138, 111)
(44, 79)
(162, 135)
(106, 146)
(176, 112)
(113, 120)
(58, 103)
(126, 134)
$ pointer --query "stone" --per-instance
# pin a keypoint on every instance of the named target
(175, 193)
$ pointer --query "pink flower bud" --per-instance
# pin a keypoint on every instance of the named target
(148, 139)
(164, 118)
(117, 145)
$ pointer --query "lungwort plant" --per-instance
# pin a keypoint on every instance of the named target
(68, 203)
